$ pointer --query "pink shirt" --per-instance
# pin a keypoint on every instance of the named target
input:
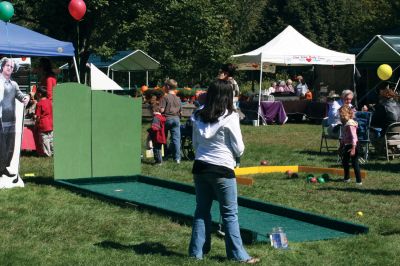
(349, 135)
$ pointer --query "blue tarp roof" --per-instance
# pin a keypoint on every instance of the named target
(17, 40)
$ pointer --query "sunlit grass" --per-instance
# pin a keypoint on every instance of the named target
(43, 224)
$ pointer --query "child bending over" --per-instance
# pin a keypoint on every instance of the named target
(157, 133)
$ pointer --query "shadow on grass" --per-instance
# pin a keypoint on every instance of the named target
(366, 191)
(40, 180)
(331, 156)
(382, 166)
(149, 248)
(25, 153)
(145, 248)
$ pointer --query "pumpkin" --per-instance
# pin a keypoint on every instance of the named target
(144, 88)
(308, 95)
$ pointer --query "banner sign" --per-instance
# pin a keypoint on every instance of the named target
(254, 66)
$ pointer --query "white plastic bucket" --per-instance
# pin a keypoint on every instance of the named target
(255, 123)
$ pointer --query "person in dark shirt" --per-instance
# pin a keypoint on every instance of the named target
(171, 108)
(387, 111)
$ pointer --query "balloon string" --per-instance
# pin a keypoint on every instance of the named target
(78, 50)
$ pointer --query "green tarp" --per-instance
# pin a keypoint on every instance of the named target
(381, 49)
(96, 134)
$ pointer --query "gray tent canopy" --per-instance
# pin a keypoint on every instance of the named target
(381, 49)
(127, 61)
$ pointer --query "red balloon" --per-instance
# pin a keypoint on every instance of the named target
(77, 9)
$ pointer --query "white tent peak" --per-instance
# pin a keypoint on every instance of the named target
(100, 81)
(291, 48)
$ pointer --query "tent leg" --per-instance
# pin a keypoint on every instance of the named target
(76, 71)
(147, 78)
(354, 84)
(259, 95)
(129, 79)
(397, 84)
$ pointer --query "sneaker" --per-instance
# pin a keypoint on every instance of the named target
(252, 261)
(347, 180)
(178, 161)
(359, 183)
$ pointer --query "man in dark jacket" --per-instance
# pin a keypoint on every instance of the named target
(387, 111)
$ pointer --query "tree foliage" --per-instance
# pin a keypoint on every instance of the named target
(190, 38)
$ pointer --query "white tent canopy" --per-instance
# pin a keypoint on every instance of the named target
(290, 48)
(126, 61)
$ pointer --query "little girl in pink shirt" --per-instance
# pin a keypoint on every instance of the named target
(348, 143)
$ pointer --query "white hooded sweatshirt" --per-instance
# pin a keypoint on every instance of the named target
(218, 143)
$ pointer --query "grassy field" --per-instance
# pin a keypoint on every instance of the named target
(43, 224)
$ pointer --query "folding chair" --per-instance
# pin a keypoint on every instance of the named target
(325, 137)
(364, 123)
(392, 140)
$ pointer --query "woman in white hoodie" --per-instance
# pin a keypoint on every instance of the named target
(217, 140)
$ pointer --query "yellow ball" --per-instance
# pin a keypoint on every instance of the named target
(360, 213)
(384, 72)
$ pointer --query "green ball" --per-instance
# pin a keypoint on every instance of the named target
(6, 11)
(326, 176)
(321, 180)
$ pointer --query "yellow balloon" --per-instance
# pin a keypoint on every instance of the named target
(384, 72)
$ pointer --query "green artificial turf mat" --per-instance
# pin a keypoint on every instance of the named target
(178, 199)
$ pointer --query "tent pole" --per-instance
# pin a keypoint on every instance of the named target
(129, 80)
(76, 71)
(397, 84)
(354, 84)
(108, 71)
(147, 78)
(259, 94)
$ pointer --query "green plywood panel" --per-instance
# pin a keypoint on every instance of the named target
(72, 131)
(116, 140)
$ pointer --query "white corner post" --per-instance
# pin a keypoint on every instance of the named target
(259, 95)
(129, 80)
(397, 84)
(76, 71)
(355, 85)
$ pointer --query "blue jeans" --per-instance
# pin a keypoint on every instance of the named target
(173, 125)
(208, 185)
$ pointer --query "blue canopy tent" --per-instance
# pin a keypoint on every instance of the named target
(17, 40)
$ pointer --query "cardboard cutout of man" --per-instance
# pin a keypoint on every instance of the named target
(9, 91)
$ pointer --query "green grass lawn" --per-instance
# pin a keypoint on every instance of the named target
(43, 224)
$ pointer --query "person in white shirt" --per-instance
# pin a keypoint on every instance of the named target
(217, 140)
(333, 113)
(301, 87)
